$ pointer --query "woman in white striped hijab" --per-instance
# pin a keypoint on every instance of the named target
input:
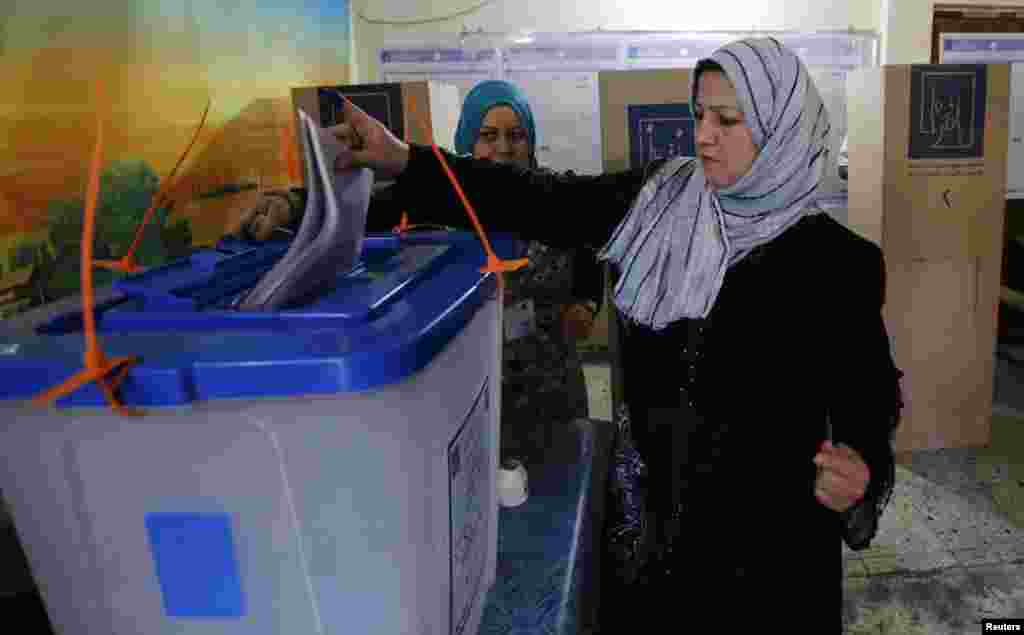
(758, 380)
(762, 141)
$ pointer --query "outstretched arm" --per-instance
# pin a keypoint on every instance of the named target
(558, 209)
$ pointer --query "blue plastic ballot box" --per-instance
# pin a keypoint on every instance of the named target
(328, 468)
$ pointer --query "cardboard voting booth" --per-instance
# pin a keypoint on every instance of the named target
(404, 107)
(927, 167)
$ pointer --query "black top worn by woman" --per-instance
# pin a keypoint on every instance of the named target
(728, 412)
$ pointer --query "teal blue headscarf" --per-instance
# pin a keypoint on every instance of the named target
(478, 103)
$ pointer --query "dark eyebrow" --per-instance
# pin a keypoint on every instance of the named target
(722, 109)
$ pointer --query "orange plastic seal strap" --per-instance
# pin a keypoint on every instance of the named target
(403, 225)
(127, 262)
(97, 366)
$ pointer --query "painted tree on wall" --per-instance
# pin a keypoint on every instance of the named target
(126, 191)
(127, 188)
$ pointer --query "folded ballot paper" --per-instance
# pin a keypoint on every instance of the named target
(330, 237)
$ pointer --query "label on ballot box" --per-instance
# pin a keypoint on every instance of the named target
(469, 475)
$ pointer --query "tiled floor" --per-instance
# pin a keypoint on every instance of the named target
(950, 550)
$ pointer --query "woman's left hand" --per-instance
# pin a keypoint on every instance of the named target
(842, 477)
(577, 322)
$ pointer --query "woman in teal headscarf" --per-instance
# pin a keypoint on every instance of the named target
(491, 108)
(550, 304)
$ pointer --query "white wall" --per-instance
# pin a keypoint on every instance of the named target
(906, 27)
(504, 16)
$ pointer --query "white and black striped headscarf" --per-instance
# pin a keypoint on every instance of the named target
(680, 236)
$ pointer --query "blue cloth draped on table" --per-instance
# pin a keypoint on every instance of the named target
(548, 547)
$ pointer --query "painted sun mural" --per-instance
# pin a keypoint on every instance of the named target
(161, 62)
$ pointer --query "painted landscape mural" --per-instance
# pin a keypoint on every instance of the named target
(161, 62)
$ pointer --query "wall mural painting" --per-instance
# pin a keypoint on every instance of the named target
(164, 65)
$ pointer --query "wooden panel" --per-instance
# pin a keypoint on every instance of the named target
(941, 230)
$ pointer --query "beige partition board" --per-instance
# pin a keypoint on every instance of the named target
(619, 89)
(928, 150)
(429, 109)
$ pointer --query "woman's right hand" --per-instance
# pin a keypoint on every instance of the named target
(270, 212)
(368, 144)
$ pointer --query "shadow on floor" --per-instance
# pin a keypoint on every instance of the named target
(950, 548)
(20, 603)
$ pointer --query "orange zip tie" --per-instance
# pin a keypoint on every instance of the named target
(97, 366)
(410, 227)
(494, 264)
(403, 225)
(127, 262)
